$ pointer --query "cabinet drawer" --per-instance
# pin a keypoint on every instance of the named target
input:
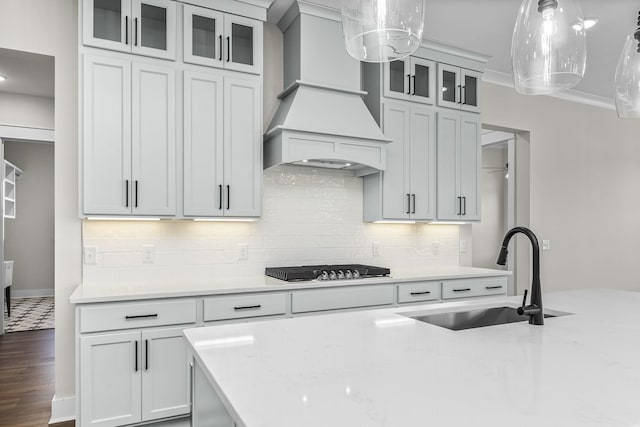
(137, 315)
(335, 299)
(474, 287)
(237, 307)
(421, 291)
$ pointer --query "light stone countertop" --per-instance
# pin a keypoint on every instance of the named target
(379, 368)
(221, 286)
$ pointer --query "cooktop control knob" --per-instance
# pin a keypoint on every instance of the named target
(324, 275)
(348, 275)
(332, 275)
(356, 274)
(340, 275)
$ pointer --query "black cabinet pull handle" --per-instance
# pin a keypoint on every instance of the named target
(146, 355)
(126, 193)
(247, 307)
(220, 198)
(126, 29)
(464, 205)
(420, 293)
(135, 34)
(413, 197)
(493, 287)
(228, 48)
(462, 290)
(408, 203)
(228, 197)
(459, 205)
(413, 92)
(220, 54)
(409, 84)
(463, 95)
(141, 316)
(460, 92)
(136, 205)
(136, 355)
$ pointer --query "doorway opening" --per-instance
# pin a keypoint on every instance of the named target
(505, 203)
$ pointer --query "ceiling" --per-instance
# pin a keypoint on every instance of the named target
(27, 73)
(486, 26)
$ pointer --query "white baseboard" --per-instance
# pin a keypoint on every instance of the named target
(62, 409)
(25, 293)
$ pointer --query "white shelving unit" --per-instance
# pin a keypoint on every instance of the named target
(11, 174)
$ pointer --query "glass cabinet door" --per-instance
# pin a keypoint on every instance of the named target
(154, 28)
(397, 75)
(203, 39)
(242, 44)
(449, 88)
(422, 80)
(470, 81)
(106, 24)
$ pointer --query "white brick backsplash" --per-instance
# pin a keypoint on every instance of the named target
(309, 216)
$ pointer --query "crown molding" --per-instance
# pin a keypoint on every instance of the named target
(506, 79)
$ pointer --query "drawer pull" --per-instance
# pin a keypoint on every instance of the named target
(247, 307)
(493, 287)
(141, 316)
(421, 293)
(462, 290)
(136, 355)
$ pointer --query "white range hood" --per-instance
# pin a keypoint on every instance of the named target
(322, 120)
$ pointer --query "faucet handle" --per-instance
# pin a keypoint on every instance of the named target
(524, 302)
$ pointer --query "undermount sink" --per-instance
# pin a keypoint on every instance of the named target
(479, 318)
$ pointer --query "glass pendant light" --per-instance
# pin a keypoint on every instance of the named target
(627, 81)
(382, 30)
(548, 51)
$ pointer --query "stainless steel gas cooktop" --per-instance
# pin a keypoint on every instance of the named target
(326, 272)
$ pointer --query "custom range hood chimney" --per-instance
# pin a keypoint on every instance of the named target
(322, 120)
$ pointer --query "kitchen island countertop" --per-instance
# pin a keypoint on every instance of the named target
(123, 291)
(381, 368)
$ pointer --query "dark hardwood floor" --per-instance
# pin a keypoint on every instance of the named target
(27, 379)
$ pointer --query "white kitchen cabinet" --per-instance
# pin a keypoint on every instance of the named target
(144, 27)
(110, 379)
(128, 130)
(458, 165)
(222, 40)
(347, 297)
(410, 79)
(458, 88)
(474, 287)
(222, 145)
(407, 187)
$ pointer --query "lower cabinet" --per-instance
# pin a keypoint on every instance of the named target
(132, 377)
(475, 287)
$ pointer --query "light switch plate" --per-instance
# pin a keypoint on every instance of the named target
(148, 254)
(375, 248)
(546, 245)
(244, 252)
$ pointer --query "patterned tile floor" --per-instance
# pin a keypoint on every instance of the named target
(28, 314)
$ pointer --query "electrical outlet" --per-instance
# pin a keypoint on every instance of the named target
(244, 252)
(90, 255)
(463, 246)
(436, 248)
(546, 245)
(148, 253)
(375, 248)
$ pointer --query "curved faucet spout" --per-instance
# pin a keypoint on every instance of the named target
(534, 309)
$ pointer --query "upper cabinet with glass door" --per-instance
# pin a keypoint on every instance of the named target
(458, 88)
(411, 79)
(222, 40)
(144, 27)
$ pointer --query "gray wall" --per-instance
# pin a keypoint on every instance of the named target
(26, 110)
(28, 239)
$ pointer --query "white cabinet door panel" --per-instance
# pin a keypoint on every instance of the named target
(449, 202)
(242, 147)
(203, 143)
(154, 148)
(107, 24)
(154, 28)
(242, 44)
(106, 135)
(422, 161)
(110, 373)
(395, 185)
(203, 38)
(165, 379)
(470, 158)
